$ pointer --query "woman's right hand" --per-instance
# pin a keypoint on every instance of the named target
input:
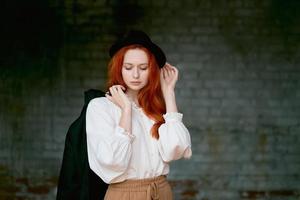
(118, 97)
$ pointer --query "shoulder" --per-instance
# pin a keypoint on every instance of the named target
(101, 103)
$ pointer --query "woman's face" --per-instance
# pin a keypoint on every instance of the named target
(135, 69)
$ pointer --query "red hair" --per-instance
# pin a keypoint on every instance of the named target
(150, 97)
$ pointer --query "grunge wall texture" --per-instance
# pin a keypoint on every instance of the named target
(239, 89)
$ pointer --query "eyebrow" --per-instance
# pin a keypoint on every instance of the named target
(138, 65)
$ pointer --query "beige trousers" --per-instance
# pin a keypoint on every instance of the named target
(157, 188)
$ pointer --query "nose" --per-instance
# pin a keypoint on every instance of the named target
(136, 72)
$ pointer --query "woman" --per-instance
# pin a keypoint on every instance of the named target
(136, 130)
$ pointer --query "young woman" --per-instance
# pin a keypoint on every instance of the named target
(136, 130)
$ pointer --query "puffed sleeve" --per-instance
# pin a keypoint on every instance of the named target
(108, 144)
(174, 138)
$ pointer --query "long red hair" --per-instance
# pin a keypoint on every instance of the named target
(150, 97)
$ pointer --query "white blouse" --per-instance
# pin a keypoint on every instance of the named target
(115, 156)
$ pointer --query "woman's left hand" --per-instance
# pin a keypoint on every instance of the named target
(168, 78)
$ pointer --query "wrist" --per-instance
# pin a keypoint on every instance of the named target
(169, 89)
(169, 94)
(126, 109)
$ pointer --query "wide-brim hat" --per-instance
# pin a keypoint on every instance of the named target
(141, 38)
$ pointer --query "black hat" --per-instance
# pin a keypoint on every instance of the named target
(139, 37)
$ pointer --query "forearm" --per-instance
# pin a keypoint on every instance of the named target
(170, 101)
(174, 138)
(125, 120)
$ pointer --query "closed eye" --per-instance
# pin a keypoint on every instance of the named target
(144, 67)
(127, 67)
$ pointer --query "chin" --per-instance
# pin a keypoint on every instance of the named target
(136, 88)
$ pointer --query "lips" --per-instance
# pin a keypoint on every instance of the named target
(135, 82)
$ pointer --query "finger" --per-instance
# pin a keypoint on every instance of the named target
(123, 87)
(116, 87)
(168, 72)
(109, 97)
(176, 70)
(172, 69)
(164, 72)
(161, 74)
(176, 73)
(119, 88)
(112, 91)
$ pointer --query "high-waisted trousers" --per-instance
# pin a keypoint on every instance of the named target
(157, 188)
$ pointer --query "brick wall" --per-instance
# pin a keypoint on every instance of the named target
(238, 89)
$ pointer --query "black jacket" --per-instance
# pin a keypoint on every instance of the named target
(76, 180)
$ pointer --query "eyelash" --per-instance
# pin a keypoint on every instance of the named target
(140, 68)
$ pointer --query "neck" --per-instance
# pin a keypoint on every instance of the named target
(132, 95)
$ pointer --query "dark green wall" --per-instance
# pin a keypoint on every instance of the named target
(238, 89)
